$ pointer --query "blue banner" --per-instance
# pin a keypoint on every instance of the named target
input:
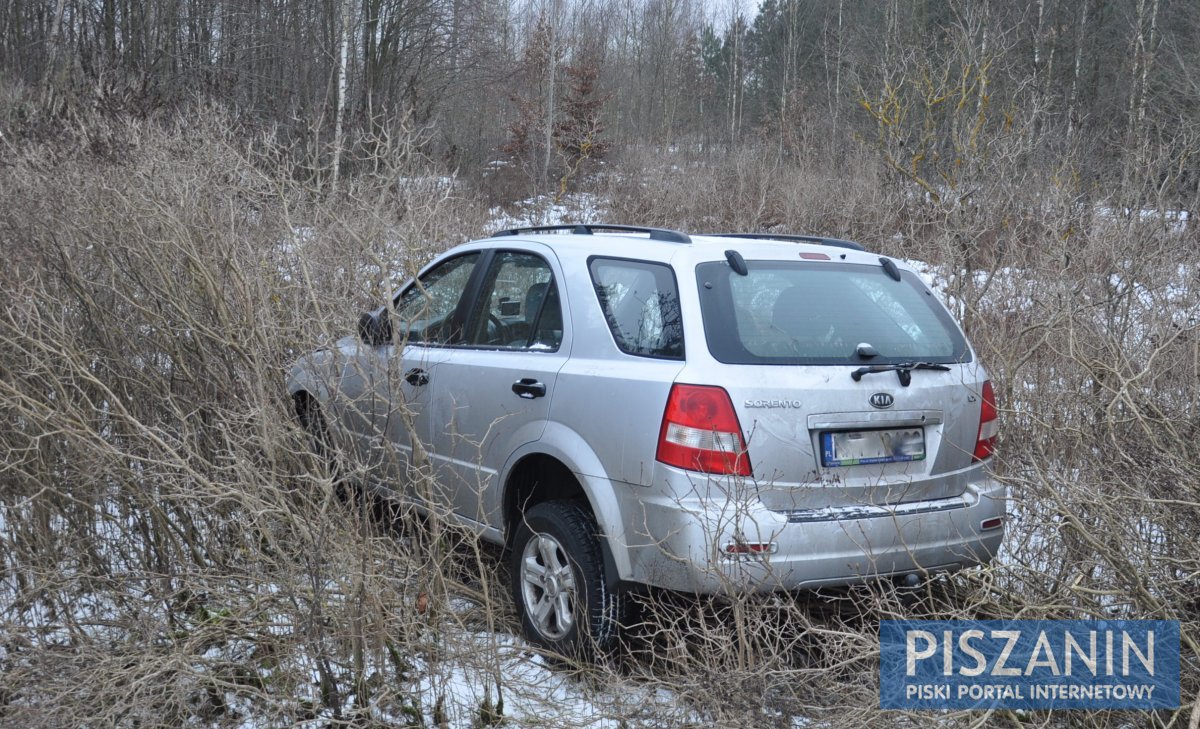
(1029, 664)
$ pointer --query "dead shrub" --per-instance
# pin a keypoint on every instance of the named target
(172, 553)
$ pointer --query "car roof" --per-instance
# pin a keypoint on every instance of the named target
(641, 246)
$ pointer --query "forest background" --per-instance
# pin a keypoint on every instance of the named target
(195, 193)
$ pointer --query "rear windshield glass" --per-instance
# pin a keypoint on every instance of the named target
(799, 312)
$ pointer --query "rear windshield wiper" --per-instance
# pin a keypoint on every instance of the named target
(903, 370)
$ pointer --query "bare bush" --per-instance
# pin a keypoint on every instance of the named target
(171, 551)
(749, 190)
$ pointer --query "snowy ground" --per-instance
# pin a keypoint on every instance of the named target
(482, 667)
(546, 210)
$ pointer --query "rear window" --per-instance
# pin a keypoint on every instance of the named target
(641, 305)
(799, 312)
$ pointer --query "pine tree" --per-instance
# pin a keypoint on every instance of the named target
(579, 132)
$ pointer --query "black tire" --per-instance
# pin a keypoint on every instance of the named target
(312, 419)
(558, 581)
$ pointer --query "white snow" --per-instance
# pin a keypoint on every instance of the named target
(546, 210)
(487, 666)
(1175, 221)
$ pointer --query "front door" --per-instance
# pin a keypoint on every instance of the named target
(492, 393)
(430, 314)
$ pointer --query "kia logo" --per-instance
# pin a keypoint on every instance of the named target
(881, 400)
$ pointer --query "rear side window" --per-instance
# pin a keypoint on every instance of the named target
(641, 305)
(795, 312)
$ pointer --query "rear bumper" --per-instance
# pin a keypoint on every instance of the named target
(682, 543)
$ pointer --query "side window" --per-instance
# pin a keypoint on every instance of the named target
(641, 305)
(518, 305)
(426, 310)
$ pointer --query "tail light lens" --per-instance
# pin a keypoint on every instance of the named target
(700, 432)
(989, 424)
(751, 548)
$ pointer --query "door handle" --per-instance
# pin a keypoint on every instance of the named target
(529, 388)
(416, 377)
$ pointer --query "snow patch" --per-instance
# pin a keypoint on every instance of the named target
(582, 207)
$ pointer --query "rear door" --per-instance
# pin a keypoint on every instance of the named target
(787, 337)
(492, 392)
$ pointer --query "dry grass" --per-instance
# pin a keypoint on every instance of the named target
(170, 553)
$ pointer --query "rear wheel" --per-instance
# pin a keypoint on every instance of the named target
(558, 580)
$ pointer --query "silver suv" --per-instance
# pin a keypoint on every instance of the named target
(624, 407)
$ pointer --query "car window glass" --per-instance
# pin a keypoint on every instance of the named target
(426, 310)
(801, 313)
(518, 307)
(641, 305)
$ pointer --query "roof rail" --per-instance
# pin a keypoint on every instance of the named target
(819, 240)
(671, 236)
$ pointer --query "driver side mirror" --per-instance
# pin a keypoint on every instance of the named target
(375, 327)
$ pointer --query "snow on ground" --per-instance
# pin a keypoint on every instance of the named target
(1175, 221)
(484, 667)
(548, 210)
(456, 669)
(931, 276)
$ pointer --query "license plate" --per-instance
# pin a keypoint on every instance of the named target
(864, 447)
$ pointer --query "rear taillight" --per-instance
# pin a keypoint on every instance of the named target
(751, 548)
(989, 424)
(700, 432)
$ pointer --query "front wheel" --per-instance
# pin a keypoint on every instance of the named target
(312, 419)
(558, 580)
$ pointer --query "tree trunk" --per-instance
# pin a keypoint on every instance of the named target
(52, 64)
(1147, 61)
(551, 74)
(1073, 98)
(339, 112)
